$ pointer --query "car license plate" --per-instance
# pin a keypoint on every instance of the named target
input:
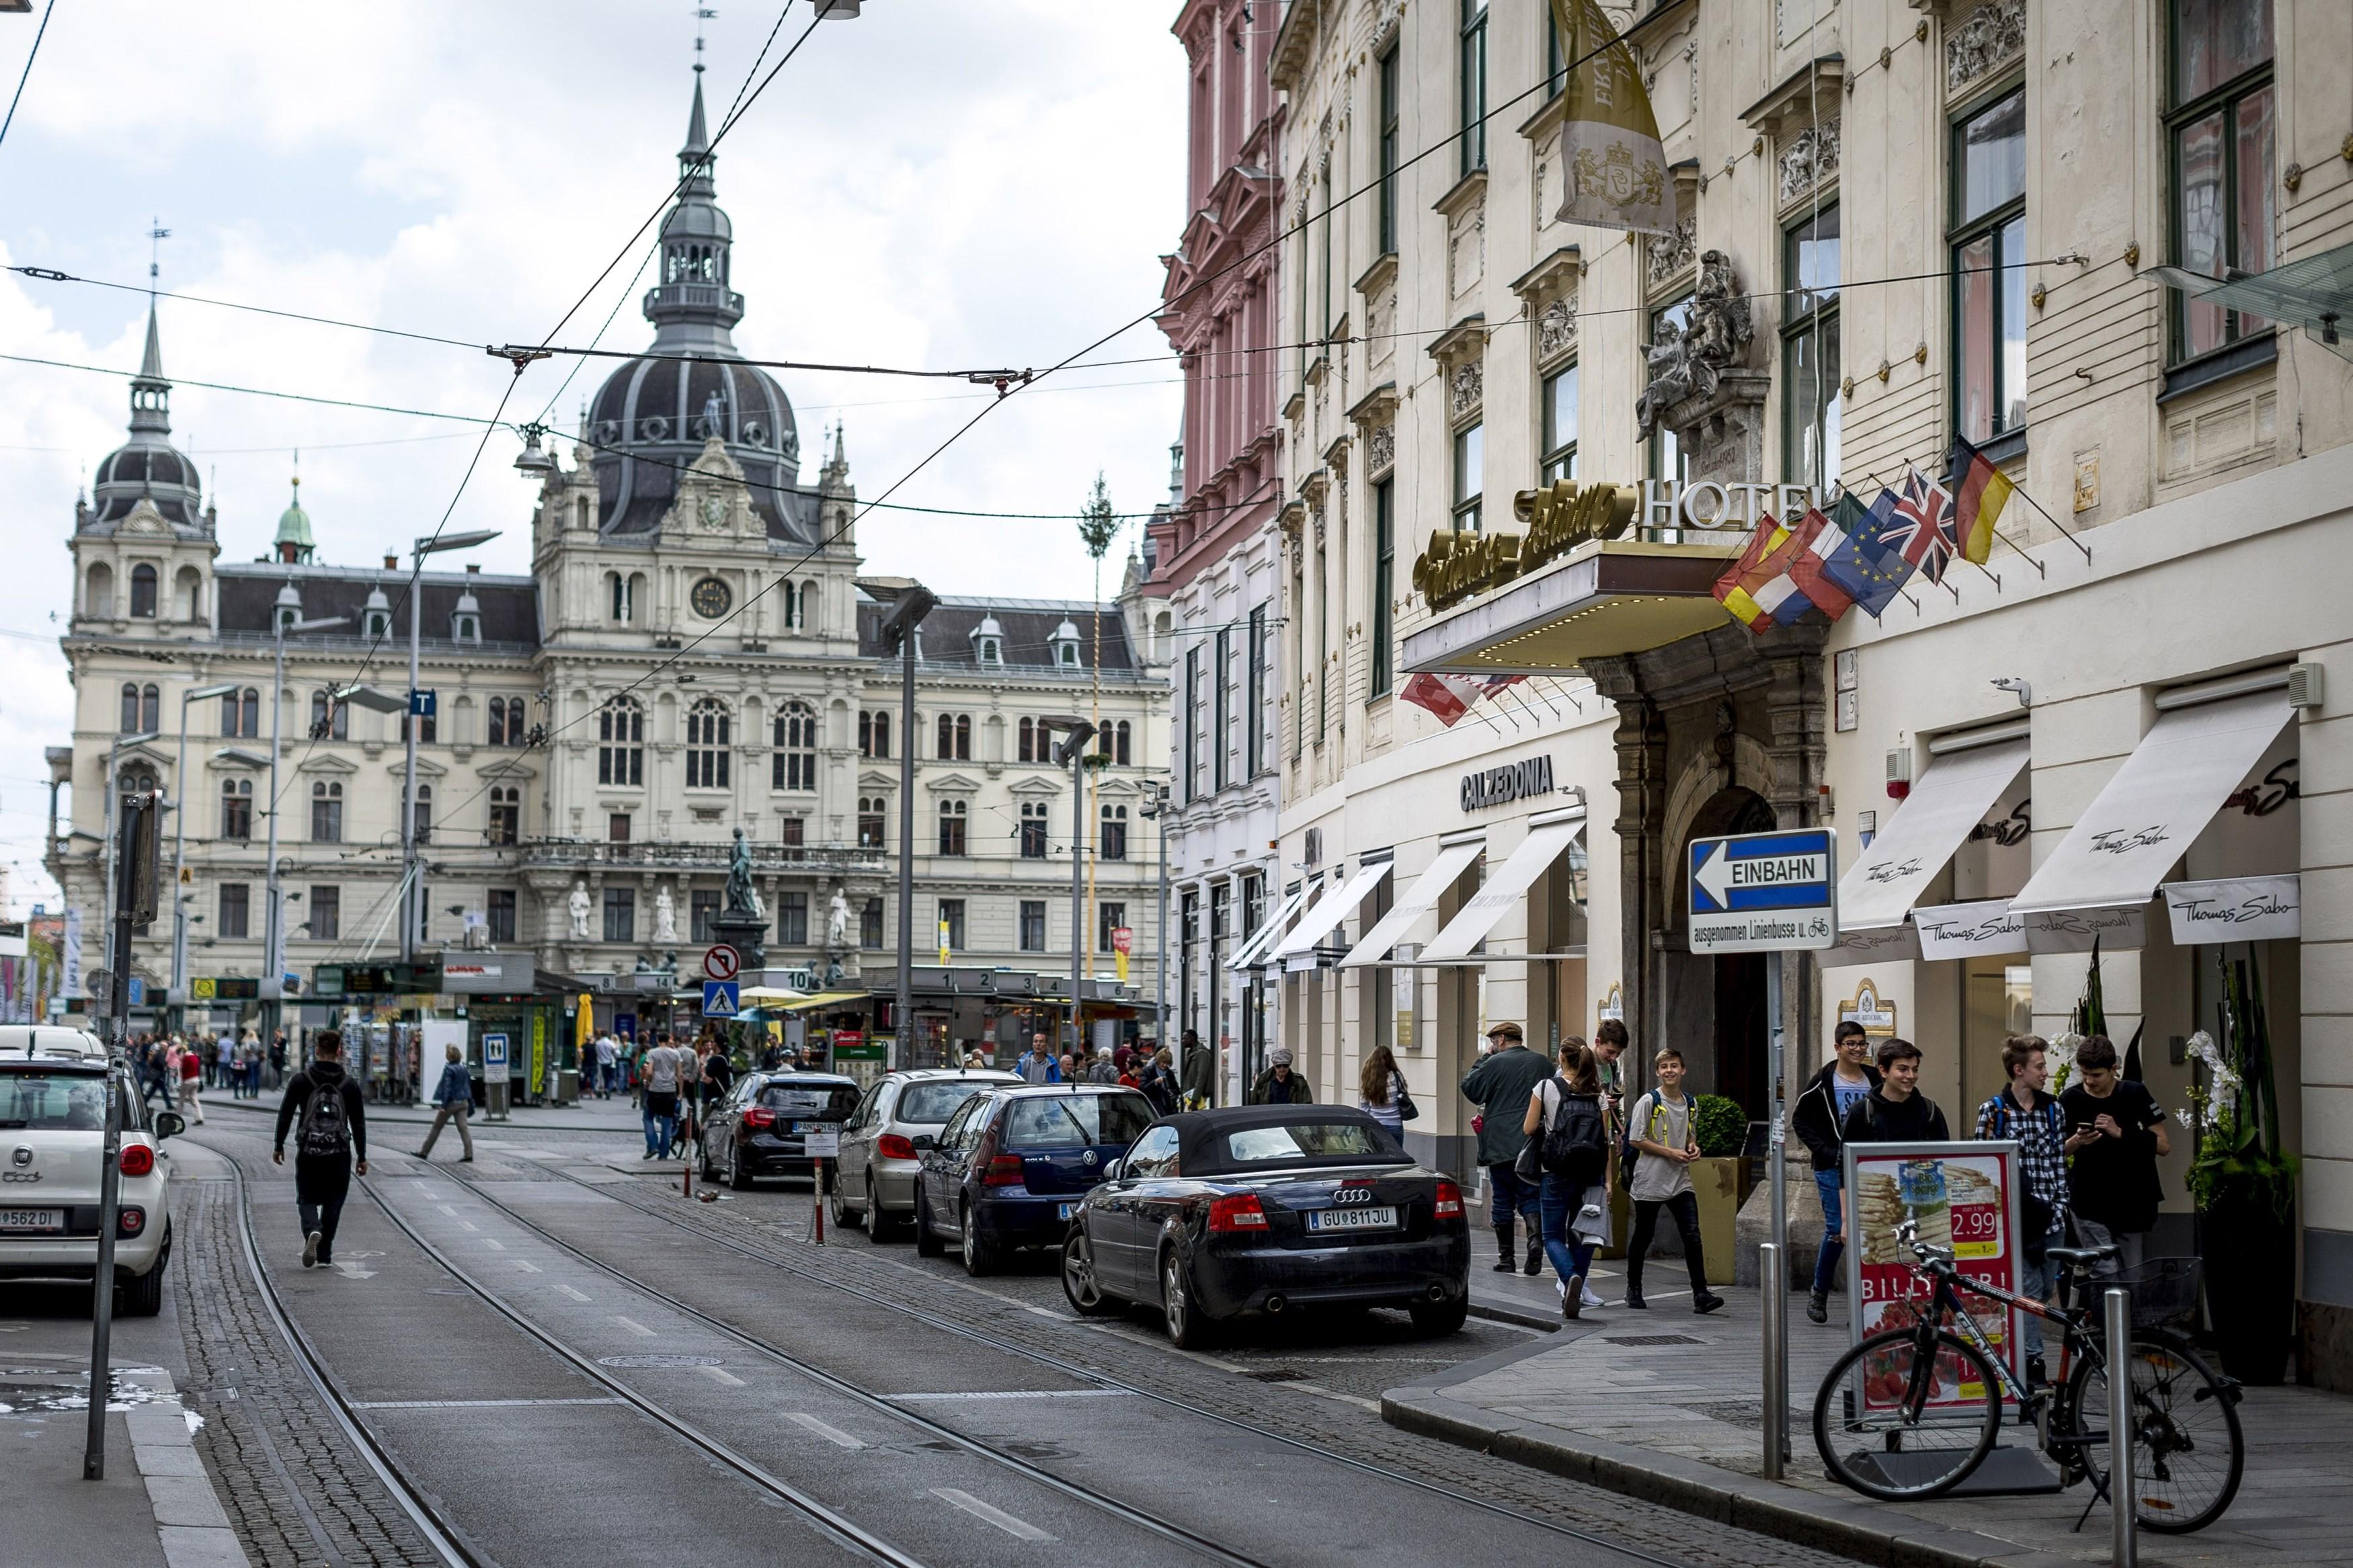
(31, 1219)
(786, 1127)
(1352, 1219)
(1062, 1211)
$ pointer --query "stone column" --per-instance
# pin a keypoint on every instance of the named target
(1640, 742)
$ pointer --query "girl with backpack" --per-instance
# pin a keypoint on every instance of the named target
(1383, 1092)
(1568, 1151)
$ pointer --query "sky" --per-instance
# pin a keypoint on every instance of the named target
(936, 184)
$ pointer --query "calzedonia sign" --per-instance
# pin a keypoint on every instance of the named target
(1500, 787)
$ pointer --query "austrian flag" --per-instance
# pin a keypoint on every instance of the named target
(1447, 696)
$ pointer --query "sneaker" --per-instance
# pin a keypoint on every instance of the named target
(1634, 1299)
(310, 1245)
(1706, 1304)
(1535, 1264)
(1590, 1300)
(1572, 1296)
(1818, 1307)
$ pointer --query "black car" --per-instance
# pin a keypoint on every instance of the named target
(1011, 1165)
(1260, 1210)
(760, 1128)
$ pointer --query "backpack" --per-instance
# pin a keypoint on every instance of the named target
(325, 1133)
(1575, 1142)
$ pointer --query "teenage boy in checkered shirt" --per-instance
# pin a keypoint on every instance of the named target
(2026, 1114)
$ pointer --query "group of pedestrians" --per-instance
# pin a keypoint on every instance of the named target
(177, 1069)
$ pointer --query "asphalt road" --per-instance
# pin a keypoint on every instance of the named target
(564, 1361)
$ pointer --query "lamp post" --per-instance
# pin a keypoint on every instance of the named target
(1154, 810)
(288, 622)
(1072, 750)
(412, 896)
(899, 630)
(180, 838)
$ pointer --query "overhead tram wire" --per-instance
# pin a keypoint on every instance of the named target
(26, 75)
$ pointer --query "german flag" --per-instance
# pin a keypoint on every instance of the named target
(1979, 492)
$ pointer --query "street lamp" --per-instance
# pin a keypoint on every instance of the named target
(180, 834)
(1073, 751)
(286, 621)
(900, 631)
(412, 901)
(1154, 810)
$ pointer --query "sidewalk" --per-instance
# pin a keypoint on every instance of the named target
(614, 1115)
(1663, 1406)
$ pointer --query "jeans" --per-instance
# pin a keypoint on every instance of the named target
(1508, 1196)
(2035, 1283)
(322, 1217)
(1685, 1208)
(1561, 1200)
(661, 1122)
(1831, 1186)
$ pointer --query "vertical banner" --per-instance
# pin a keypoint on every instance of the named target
(69, 984)
(1963, 1196)
(1613, 167)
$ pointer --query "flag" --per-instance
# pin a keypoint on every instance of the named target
(1980, 491)
(1777, 597)
(1449, 697)
(1809, 571)
(1613, 167)
(1495, 683)
(1922, 529)
(1862, 565)
(1734, 589)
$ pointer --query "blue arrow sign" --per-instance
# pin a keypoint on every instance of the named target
(718, 998)
(1762, 892)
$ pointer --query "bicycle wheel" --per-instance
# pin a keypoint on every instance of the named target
(2187, 1450)
(1892, 1419)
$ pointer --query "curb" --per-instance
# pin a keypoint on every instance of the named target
(190, 1523)
(1850, 1528)
(1523, 1317)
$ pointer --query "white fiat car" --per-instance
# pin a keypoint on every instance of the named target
(53, 1087)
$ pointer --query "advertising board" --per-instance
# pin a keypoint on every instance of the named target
(1963, 1196)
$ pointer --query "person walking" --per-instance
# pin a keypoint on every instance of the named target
(223, 1051)
(1382, 1093)
(2115, 1130)
(332, 1132)
(1499, 1086)
(1102, 1069)
(1278, 1085)
(2024, 1114)
(608, 1051)
(1572, 1156)
(661, 1070)
(1199, 1075)
(277, 1057)
(1664, 1150)
(1819, 1120)
(192, 1080)
(1039, 1066)
(1156, 1077)
(718, 1077)
(160, 1077)
(1896, 1112)
(453, 1097)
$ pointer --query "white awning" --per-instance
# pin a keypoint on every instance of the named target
(2104, 873)
(1476, 918)
(1254, 946)
(1953, 796)
(1418, 901)
(1333, 908)
(2235, 908)
(1981, 930)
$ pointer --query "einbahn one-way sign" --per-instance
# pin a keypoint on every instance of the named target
(1756, 892)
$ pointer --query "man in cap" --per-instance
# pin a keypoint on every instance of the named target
(1499, 1086)
(1278, 1085)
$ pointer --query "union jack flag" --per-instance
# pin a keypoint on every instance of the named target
(1921, 532)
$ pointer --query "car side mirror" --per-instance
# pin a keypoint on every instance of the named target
(924, 1141)
(169, 1124)
(1114, 1170)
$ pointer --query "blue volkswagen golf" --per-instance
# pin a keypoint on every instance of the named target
(1010, 1166)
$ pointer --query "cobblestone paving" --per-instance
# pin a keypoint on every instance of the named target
(1134, 1354)
(293, 1487)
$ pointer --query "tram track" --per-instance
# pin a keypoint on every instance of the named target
(1012, 1347)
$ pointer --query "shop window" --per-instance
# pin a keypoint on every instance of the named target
(2223, 132)
(1990, 269)
(1810, 401)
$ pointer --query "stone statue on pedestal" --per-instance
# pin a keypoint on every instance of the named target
(742, 899)
(665, 915)
(577, 907)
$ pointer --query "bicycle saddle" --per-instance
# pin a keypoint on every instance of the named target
(2082, 1254)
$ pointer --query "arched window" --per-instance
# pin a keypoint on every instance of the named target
(620, 743)
(236, 808)
(1026, 748)
(1115, 833)
(617, 584)
(142, 592)
(501, 715)
(330, 719)
(327, 812)
(874, 735)
(97, 598)
(956, 737)
(952, 826)
(808, 606)
(580, 512)
(792, 597)
(872, 810)
(506, 813)
(129, 725)
(1124, 748)
(794, 765)
(707, 727)
(425, 814)
(150, 707)
(1033, 831)
(136, 779)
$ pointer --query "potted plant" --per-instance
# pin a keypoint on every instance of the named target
(2243, 1179)
(1720, 1127)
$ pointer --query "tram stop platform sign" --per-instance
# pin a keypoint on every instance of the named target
(1765, 892)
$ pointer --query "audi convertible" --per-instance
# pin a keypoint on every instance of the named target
(1218, 1216)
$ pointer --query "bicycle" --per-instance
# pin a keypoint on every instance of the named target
(1908, 1414)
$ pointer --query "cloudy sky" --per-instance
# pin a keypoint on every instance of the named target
(937, 184)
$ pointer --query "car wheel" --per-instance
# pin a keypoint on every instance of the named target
(738, 1178)
(1188, 1328)
(837, 1211)
(1436, 1320)
(704, 1168)
(879, 1226)
(141, 1295)
(927, 1240)
(979, 1257)
(1080, 1286)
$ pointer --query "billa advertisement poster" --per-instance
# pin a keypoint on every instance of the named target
(1962, 1197)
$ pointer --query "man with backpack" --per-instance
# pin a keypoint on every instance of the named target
(1664, 1149)
(1820, 1120)
(2026, 1114)
(1499, 1086)
(334, 1129)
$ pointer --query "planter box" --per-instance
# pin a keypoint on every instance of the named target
(1717, 1183)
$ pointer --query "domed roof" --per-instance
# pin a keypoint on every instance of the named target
(148, 466)
(294, 523)
(649, 420)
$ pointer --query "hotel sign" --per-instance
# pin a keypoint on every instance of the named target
(1500, 787)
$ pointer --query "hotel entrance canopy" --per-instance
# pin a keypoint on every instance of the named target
(1606, 597)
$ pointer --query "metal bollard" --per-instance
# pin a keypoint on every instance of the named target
(1773, 1300)
(2122, 1511)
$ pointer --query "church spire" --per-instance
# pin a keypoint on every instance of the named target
(151, 395)
(692, 307)
(695, 159)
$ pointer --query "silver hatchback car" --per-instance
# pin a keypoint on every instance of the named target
(874, 1180)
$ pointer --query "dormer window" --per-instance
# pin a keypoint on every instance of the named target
(1065, 643)
(988, 642)
(375, 619)
(466, 620)
(991, 651)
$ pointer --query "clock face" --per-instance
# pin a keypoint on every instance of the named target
(710, 598)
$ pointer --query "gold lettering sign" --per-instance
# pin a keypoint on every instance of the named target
(1560, 517)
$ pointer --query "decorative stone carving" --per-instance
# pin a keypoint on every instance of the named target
(1466, 252)
(1669, 256)
(1465, 388)
(1380, 449)
(1691, 65)
(1809, 158)
(665, 915)
(1557, 328)
(1994, 33)
(1689, 366)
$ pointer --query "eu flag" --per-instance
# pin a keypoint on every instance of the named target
(1862, 565)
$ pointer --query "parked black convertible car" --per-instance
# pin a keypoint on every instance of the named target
(1220, 1214)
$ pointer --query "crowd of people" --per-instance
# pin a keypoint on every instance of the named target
(176, 1069)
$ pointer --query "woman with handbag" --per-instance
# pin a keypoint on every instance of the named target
(1385, 1099)
(1568, 1151)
